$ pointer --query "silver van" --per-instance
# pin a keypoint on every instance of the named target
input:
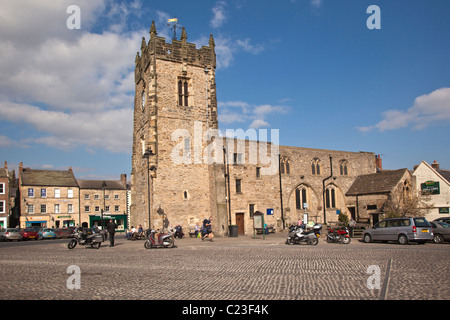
(403, 230)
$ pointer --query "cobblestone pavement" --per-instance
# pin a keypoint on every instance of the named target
(240, 268)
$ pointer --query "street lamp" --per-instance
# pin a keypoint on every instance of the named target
(103, 188)
(148, 152)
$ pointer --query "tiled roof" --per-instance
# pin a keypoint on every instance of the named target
(49, 178)
(381, 182)
(97, 184)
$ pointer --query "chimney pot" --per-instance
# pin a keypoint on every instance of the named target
(435, 165)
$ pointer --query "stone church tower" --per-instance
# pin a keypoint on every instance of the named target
(175, 103)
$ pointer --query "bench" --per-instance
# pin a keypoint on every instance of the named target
(270, 228)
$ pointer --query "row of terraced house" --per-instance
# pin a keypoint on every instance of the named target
(56, 199)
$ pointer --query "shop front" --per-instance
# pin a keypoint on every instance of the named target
(119, 219)
(64, 221)
(35, 221)
(3, 222)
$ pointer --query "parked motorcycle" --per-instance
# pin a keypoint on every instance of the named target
(338, 235)
(298, 235)
(165, 240)
(85, 238)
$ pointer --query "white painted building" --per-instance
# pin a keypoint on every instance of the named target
(434, 181)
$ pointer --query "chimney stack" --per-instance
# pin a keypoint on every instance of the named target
(123, 179)
(435, 165)
(6, 166)
(20, 167)
(378, 162)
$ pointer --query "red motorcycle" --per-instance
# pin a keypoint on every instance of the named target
(338, 235)
(165, 240)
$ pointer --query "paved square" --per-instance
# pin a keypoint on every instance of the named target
(239, 268)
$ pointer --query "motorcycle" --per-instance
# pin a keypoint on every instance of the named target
(298, 235)
(84, 238)
(338, 235)
(165, 240)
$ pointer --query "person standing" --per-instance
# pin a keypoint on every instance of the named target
(111, 227)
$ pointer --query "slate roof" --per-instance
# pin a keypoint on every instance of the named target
(49, 178)
(97, 184)
(376, 183)
(445, 174)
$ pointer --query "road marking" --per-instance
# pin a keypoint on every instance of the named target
(384, 289)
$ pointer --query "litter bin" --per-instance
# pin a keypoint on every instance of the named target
(233, 231)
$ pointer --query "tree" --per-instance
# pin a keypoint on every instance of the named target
(407, 204)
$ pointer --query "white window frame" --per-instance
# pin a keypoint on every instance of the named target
(70, 193)
(3, 206)
(57, 208)
(2, 188)
(57, 193)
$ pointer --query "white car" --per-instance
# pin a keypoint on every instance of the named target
(10, 234)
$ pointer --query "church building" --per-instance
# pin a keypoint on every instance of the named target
(184, 170)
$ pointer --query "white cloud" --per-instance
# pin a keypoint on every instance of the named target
(316, 3)
(227, 48)
(219, 14)
(5, 142)
(427, 110)
(75, 87)
(240, 112)
(105, 129)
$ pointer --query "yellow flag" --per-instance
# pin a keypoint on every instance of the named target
(172, 20)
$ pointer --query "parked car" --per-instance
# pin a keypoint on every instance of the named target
(64, 232)
(10, 234)
(441, 231)
(443, 219)
(29, 233)
(47, 233)
(403, 230)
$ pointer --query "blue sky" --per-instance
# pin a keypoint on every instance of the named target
(310, 68)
